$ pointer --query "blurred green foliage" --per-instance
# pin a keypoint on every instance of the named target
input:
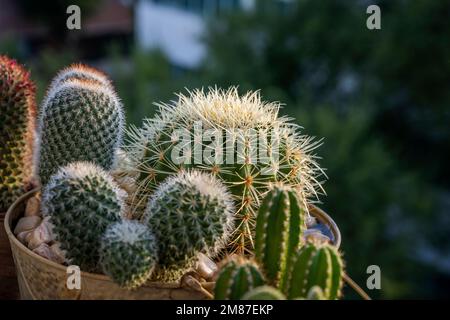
(380, 99)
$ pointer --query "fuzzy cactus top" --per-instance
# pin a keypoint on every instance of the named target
(17, 130)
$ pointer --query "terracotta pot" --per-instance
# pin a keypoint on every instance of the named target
(40, 278)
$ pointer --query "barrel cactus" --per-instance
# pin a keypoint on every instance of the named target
(279, 227)
(17, 130)
(240, 139)
(189, 213)
(264, 293)
(128, 253)
(80, 120)
(236, 278)
(82, 200)
(316, 264)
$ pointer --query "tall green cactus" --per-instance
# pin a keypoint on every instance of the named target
(279, 227)
(316, 264)
(241, 121)
(128, 253)
(80, 120)
(236, 278)
(82, 200)
(189, 213)
(17, 130)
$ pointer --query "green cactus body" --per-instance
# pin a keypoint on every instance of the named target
(189, 213)
(279, 227)
(240, 121)
(236, 278)
(81, 120)
(315, 293)
(17, 130)
(128, 253)
(316, 264)
(82, 200)
(264, 293)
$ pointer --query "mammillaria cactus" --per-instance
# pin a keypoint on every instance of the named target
(80, 120)
(189, 213)
(279, 227)
(316, 264)
(17, 130)
(251, 147)
(128, 253)
(237, 277)
(82, 200)
(264, 293)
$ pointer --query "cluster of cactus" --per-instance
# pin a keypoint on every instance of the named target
(285, 156)
(17, 130)
(81, 119)
(293, 267)
(181, 208)
(190, 213)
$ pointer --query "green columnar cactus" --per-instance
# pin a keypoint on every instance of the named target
(236, 278)
(264, 293)
(316, 264)
(128, 253)
(189, 213)
(255, 148)
(81, 120)
(82, 200)
(279, 227)
(17, 130)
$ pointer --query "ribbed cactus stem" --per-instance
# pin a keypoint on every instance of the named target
(236, 278)
(82, 200)
(80, 120)
(17, 130)
(264, 293)
(316, 264)
(279, 227)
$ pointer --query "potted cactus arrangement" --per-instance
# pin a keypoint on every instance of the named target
(211, 198)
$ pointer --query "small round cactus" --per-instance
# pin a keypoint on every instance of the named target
(81, 120)
(264, 293)
(128, 253)
(17, 130)
(82, 200)
(255, 147)
(316, 264)
(236, 278)
(190, 213)
(315, 293)
(279, 228)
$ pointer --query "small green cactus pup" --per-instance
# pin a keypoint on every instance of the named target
(279, 227)
(128, 253)
(316, 264)
(315, 293)
(189, 213)
(17, 130)
(236, 278)
(81, 120)
(264, 293)
(82, 200)
(240, 139)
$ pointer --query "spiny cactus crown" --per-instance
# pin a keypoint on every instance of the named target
(82, 200)
(189, 213)
(237, 277)
(236, 119)
(81, 121)
(17, 130)
(128, 253)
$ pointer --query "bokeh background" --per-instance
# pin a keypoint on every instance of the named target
(380, 99)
